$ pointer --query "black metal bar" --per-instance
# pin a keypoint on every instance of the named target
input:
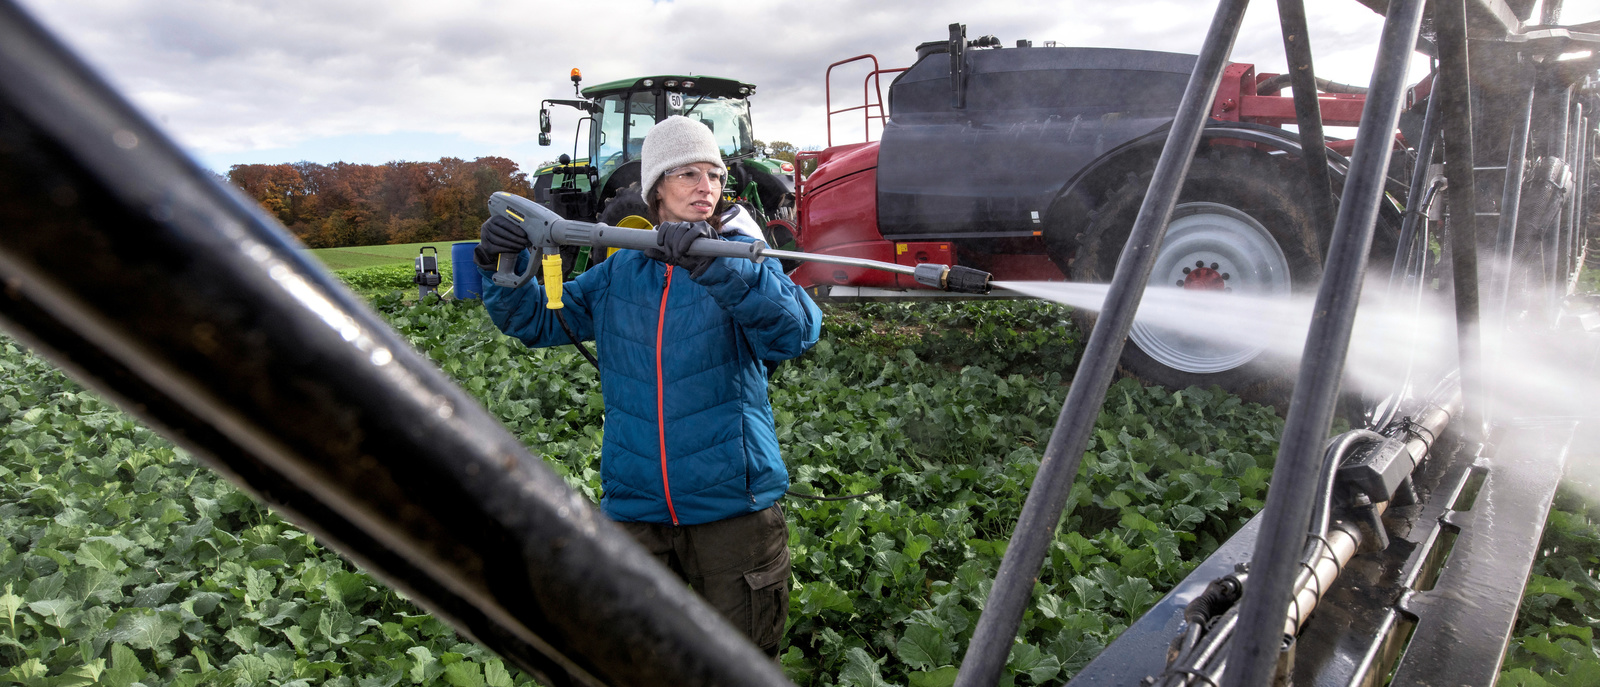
(1550, 13)
(1454, 88)
(129, 265)
(1511, 200)
(1554, 267)
(1013, 586)
(1569, 227)
(1581, 235)
(1275, 563)
(1412, 250)
(1307, 109)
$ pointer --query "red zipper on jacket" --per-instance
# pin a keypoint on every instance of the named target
(661, 414)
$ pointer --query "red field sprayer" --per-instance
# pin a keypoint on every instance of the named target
(1030, 165)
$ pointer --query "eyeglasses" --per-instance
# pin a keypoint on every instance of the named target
(690, 177)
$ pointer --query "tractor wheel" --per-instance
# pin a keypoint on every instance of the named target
(1240, 211)
(625, 203)
(780, 235)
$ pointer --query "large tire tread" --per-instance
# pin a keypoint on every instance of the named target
(1257, 184)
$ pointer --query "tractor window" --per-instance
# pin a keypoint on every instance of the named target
(641, 116)
(729, 121)
(619, 143)
(607, 148)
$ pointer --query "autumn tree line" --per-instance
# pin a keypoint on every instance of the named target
(347, 204)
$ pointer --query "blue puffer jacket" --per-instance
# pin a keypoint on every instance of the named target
(682, 371)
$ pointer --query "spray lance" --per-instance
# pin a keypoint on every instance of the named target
(548, 232)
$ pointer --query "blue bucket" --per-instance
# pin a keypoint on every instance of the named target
(468, 283)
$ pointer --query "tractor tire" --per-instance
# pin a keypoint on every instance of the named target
(781, 236)
(623, 204)
(1242, 210)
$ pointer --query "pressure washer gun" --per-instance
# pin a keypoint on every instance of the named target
(548, 232)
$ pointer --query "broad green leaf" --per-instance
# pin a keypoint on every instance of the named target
(424, 667)
(30, 672)
(495, 674)
(125, 667)
(259, 584)
(9, 604)
(463, 674)
(1027, 658)
(916, 545)
(1088, 591)
(860, 670)
(1582, 671)
(154, 595)
(347, 588)
(101, 554)
(54, 611)
(144, 628)
(244, 637)
(117, 541)
(1521, 677)
(296, 638)
(820, 596)
(93, 583)
(923, 647)
(47, 587)
(202, 658)
(251, 669)
(943, 677)
(84, 675)
(1539, 584)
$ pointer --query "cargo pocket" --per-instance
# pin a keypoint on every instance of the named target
(769, 600)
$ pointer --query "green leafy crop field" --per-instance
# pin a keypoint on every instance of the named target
(339, 259)
(122, 561)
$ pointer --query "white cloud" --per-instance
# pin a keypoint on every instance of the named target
(227, 77)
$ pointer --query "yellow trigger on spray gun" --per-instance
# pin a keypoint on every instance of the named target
(552, 281)
(552, 269)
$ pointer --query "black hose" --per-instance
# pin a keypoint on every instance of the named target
(1218, 597)
(1277, 83)
(1338, 448)
(575, 342)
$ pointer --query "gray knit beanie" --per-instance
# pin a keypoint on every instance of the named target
(673, 143)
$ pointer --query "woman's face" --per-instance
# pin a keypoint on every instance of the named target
(689, 193)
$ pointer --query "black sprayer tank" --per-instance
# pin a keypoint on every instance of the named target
(1033, 118)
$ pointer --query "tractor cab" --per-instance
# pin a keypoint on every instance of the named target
(603, 185)
(620, 114)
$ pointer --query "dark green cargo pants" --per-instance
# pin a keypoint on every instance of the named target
(740, 566)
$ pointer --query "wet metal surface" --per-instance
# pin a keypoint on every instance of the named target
(1463, 623)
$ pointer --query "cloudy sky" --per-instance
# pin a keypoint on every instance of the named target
(258, 81)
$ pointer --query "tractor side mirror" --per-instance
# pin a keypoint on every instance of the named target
(544, 139)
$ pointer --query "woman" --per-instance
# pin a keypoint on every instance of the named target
(689, 464)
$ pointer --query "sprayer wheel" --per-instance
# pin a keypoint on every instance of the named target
(1241, 210)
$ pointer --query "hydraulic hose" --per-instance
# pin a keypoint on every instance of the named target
(1278, 83)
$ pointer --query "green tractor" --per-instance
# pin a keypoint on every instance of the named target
(603, 186)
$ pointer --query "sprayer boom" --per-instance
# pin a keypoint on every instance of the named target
(547, 232)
